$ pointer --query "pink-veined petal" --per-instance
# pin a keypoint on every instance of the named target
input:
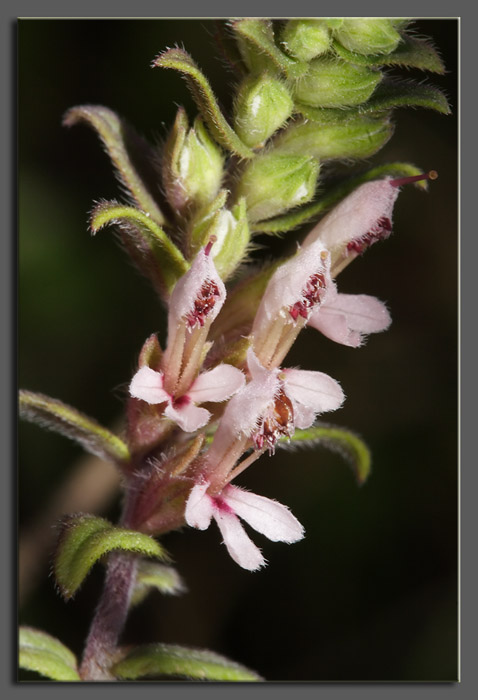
(351, 316)
(217, 385)
(266, 516)
(199, 507)
(240, 547)
(314, 390)
(356, 215)
(148, 386)
(188, 416)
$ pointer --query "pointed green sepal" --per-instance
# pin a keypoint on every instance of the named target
(285, 223)
(152, 576)
(335, 438)
(129, 153)
(394, 93)
(151, 249)
(57, 416)
(84, 539)
(156, 660)
(38, 651)
(410, 53)
(151, 353)
(259, 33)
(180, 60)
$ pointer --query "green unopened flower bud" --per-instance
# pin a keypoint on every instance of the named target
(231, 230)
(331, 82)
(368, 35)
(262, 106)
(273, 183)
(306, 38)
(192, 165)
(357, 138)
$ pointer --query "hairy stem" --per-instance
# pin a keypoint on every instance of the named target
(109, 619)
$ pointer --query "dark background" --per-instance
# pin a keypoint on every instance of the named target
(371, 593)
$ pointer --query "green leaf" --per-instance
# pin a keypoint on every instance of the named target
(411, 53)
(343, 441)
(260, 34)
(172, 660)
(55, 415)
(180, 60)
(40, 652)
(285, 223)
(151, 576)
(129, 153)
(154, 253)
(84, 539)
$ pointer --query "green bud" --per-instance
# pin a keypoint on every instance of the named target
(355, 138)
(231, 230)
(331, 82)
(193, 165)
(306, 38)
(262, 106)
(368, 36)
(273, 183)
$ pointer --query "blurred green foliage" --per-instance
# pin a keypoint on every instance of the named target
(371, 593)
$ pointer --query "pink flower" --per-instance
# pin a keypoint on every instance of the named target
(264, 515)
(269, 407)
(216, 385)
(362, 218)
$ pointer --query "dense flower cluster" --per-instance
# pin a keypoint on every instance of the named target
(265, 402)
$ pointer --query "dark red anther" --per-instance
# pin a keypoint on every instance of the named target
(379, 232)
(279, 423)
(431, 175)
(311, 295)
(203, 304)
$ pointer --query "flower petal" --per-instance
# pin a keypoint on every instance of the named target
(266, 516)
(314, 390)
(349, 317)
(240, 547)
(148, 386)
(188, 416)
(217, 385)
(199, 507)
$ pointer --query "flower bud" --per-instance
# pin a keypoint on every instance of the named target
(357, 138)
(193, 165)
(263, 104)
(274, 183)
(231, 231)
(331, 82)
(306, 38)
(368, 35)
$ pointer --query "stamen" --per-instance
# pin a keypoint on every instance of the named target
(381, 230)
(279, 422)
(311, 296)
(210, 244)
(431, 175)
(203, 304)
